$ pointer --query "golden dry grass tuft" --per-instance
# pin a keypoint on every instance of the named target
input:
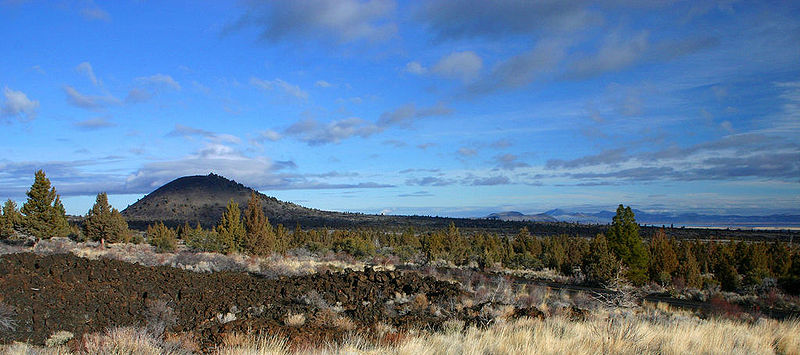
(648, 332)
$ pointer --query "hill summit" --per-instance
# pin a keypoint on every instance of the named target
(202, 199)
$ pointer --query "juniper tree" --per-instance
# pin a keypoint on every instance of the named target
(105, 223)
(43, 212)
(260, 237)
(162, 237)
(231, 229)
(600, 266)
(10, 219)
(626, 243)
(688, 267)
(663, 260)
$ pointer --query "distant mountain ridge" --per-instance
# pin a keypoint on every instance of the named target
(687, 219)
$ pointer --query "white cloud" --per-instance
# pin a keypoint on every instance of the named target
(95, 123)
(17, 104)
(160, 79)
(464, 66)
(89, 102)
(322, 84)
(466, 152)
(415, 68)
(271, 135)
(523, 69)
(96, 13)
(85, 68)
(289, 89)
(188, 132)
(343, 21)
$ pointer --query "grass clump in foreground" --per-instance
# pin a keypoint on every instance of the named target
(652, 331)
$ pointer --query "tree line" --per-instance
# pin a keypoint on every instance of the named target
(620, 252)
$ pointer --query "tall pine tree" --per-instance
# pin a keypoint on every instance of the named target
(43, 212)
(626, 243)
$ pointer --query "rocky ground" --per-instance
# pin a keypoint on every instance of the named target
(64, 292)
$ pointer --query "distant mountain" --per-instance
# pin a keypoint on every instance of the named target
(681, 219)
(677, 219)
(519, 217)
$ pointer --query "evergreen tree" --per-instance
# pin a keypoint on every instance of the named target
(600, 265)
(727, 275)
(663, 261)
(755, 264)
(231, 229)
(780, 260)
(105, 223)
(688, 267)
(260, 238)
(44, 215)
(433, 246)
(626, 243)
(10, 219)
(281, 239)
(162, 237)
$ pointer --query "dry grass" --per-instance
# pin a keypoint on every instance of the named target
(295, 264)
(653, 330)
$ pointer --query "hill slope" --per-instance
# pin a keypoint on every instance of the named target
(203, 199)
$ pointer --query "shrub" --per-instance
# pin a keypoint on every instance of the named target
(161, 237)
(7, 318)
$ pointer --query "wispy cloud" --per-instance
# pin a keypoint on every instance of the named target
(86, 69)
(160, 80)
(285, 87)
(188, 132)
(16, 104)
(464, 66)
(95, 13)
(89, 102)
(314, 132)
(342, 21)
(95, 123)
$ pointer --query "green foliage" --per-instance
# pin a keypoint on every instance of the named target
(433, 246)
(43, 213)
(103, 222)
(231, 229)
(755, 265)
(663, 260)
(555, 253)
(10, 219)
(600, 265)
(260, 237)
(727, 275)
(162, 237)
(626, 243)
(204, 240)
(781, 259)
(355, 246)
(688, 267)
(527, 250)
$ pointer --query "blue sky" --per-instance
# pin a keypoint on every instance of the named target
(441, 107)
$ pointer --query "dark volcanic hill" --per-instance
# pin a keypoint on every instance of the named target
(203, 199)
